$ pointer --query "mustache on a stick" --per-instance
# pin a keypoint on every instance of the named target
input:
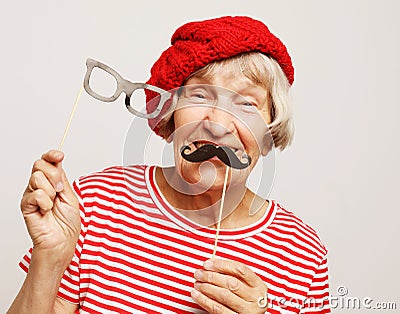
(207, 151)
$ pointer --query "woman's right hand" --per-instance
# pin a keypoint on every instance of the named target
(51, 209)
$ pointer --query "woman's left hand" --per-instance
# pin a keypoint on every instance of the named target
(225, 286)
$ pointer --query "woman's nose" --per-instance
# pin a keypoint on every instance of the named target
(219, 121)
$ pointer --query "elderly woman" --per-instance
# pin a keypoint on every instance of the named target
(139, 239)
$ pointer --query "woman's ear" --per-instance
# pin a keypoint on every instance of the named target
(268, 144)
(170, 138)
(170, 130)
(166, 128)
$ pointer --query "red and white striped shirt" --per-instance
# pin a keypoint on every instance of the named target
(136, 254)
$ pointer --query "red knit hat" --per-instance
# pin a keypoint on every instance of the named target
(196, 44)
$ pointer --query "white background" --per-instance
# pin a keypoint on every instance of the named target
(341, 175)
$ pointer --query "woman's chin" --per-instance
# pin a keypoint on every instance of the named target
(210, 175)
(207, 174)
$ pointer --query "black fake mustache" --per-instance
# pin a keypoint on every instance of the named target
(224, 153)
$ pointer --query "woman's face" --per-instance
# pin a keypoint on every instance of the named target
(237, 117)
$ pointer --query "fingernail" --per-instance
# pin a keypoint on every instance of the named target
(195, 293)
(197, 285)
(59, 186)
(198, 274)
(208, 264)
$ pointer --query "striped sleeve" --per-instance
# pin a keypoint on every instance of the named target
(317, 300)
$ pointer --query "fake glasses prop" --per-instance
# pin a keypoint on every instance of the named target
(122, 86)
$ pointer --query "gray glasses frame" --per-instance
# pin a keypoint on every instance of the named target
(124, 86)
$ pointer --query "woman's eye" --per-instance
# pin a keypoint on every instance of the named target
(248, 107)
(248, 104)
(198, 95)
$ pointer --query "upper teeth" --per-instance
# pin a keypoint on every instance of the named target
(200, 144)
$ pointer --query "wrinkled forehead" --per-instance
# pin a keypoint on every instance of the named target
(225, 84)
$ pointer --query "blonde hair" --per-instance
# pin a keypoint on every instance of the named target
(261, 70)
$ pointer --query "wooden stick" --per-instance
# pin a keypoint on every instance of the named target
(220, 212)
(70, 119)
